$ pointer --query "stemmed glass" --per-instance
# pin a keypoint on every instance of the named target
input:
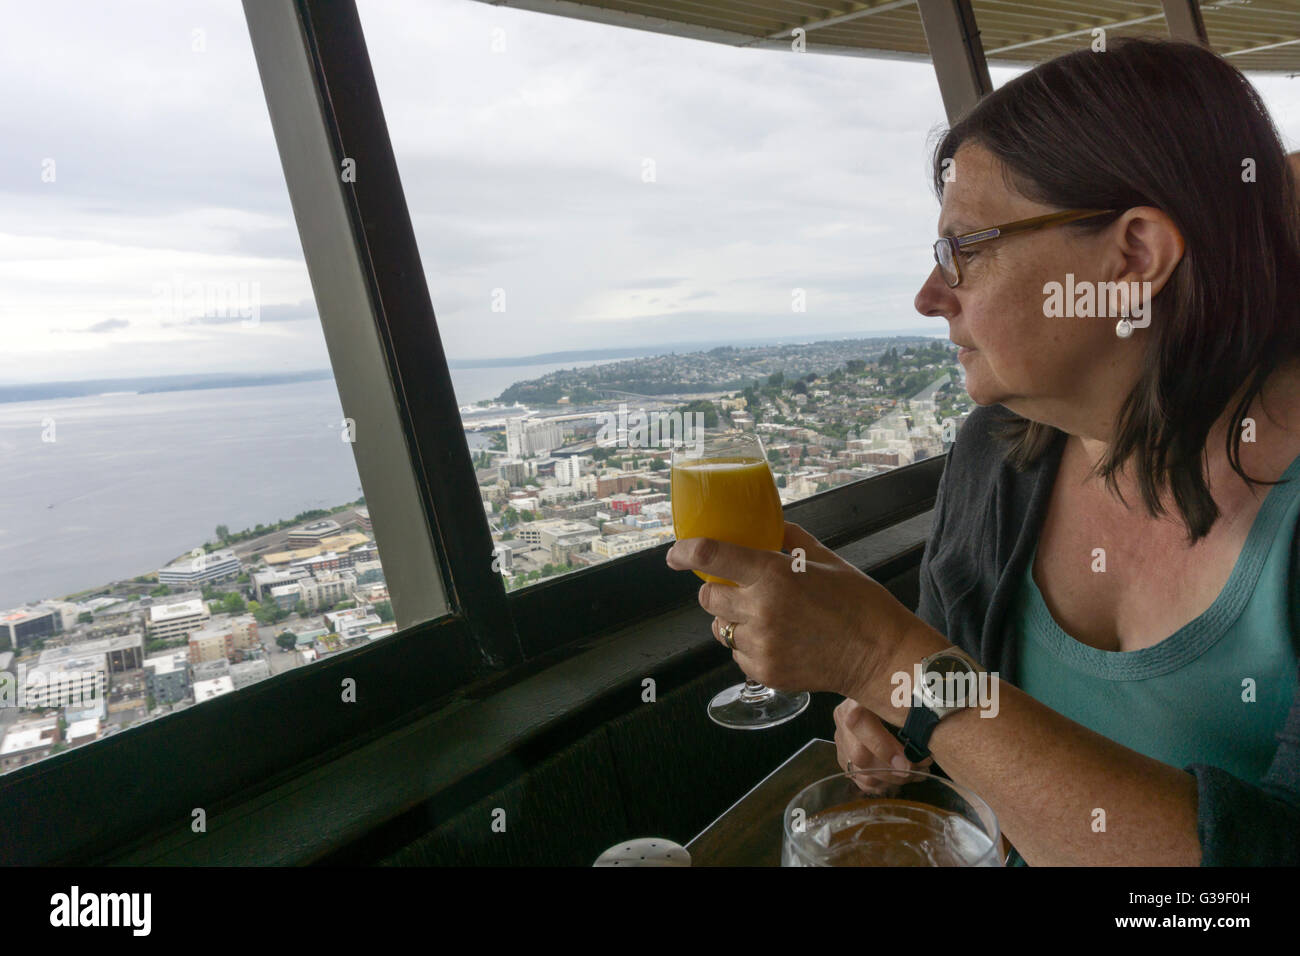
(722, 488)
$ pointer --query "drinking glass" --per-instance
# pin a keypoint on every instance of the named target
(901, 818)
(722, 488)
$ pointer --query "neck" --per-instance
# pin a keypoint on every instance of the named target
(1275, 412)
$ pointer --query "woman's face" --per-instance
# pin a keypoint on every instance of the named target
(1041, 367)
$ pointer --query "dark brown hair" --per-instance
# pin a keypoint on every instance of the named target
(1166, 124)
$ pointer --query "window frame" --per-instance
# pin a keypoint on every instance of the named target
(85, 805)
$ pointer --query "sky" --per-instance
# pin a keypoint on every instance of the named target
(572, 185)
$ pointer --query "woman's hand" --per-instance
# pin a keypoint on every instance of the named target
(807, 620)
(862, 740)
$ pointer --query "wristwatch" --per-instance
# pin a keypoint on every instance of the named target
(936, 695)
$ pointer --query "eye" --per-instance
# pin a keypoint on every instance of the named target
(966, 256)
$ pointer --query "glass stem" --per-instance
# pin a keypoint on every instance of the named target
(755, 693)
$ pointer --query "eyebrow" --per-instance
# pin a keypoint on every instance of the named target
(958, 228)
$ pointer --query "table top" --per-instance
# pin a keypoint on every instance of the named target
(749, 833)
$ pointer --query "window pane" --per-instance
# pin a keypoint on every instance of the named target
(614, 220)
(183, 514)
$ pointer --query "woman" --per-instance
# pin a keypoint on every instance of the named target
(1096, 540)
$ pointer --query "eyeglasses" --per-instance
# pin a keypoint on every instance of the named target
(946, 248)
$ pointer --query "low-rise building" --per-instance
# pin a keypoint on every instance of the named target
(287, 596)
(211, 644)
(71, 681)
(245, 632)
(22, 627)
(201, 569)
(166, 676)
(249, 672)
(120, 653)
(83, 731)
(167, 621)
(327, 588)
(313, 533)
(28, 741)
(210, 670)
(263, 581)
(208, 689)
(613, 546)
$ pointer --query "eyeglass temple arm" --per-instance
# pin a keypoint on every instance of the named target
(1024, 225)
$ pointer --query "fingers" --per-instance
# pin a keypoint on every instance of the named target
(797, 537)
(723, 601)
(861, 737)
(722, 559)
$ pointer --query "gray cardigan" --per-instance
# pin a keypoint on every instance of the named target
(986, 520)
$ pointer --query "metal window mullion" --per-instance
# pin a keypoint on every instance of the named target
(957, 53)
(381, 228)
(1184, 20)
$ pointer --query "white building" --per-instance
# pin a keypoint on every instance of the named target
(615, 545)
(177, 620)
(327, 588)
(201, 569)
(74, 681)
(208, 689)
(569, 470)
(525, 438)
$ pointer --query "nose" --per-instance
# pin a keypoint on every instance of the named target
(935, 298)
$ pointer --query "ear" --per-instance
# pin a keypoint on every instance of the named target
(1148, 246)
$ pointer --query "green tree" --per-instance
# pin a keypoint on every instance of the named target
(286, 640)
(223, 533)
(85, 617)
(527, 516)
(161, 590)
(780, 481)
(385, 610)
(776, 379)
(233, 603)
(301, 609)
(657, 464)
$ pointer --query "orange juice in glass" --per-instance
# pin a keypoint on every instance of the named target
(731, 499)
(722, 488)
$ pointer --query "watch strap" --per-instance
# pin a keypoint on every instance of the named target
(916, 731)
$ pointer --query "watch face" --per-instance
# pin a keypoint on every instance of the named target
(948, 682)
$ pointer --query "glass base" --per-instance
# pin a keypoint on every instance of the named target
(751, 706)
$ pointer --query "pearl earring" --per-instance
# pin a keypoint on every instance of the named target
(1123, 328)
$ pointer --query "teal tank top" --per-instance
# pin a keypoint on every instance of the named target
(1187, 699)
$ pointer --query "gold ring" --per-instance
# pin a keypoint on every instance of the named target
(727, 631)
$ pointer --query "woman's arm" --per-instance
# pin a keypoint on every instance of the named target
(808, 620)
(1046, 777)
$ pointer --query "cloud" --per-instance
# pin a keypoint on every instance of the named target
(108, 325)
